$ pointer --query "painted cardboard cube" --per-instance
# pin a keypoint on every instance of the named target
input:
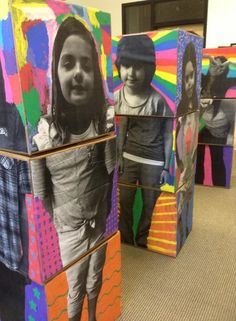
(51, 90)
(159, 221)
(217, 121)
(214, 165)
(53, 202)
(52, 300)
(157, 153)
(157, 73)
(219, 73)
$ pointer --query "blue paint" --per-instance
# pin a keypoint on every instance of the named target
(10, 61)
(171, 44)
(38, 51)
(78, 10)
(7, 34)
(35, 303)
(1, 40)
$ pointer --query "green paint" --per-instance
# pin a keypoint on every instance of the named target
(20, 109)
(32, 107)
(36, 293)
(171, 87)
(103, 18)
(33, 305)
(170, 36)
(137, 210)
(30, 318)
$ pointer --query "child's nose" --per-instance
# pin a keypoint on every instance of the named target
(77, 71)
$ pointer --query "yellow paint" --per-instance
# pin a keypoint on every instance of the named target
(161, 240)
(21, 44)
(4, 9)
(164, 214)
(165, 204)
(92, 17)
(172, 78)
(174, 140)
(116, 38)
(163, 222)
(166, 198)
(161, 231)
(160, 249)
(168, 188)
(160, 35)
(103, 63)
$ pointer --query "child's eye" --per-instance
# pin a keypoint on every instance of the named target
(67, 62)
(87, 64)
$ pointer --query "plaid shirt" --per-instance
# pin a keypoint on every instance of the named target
(14, 180)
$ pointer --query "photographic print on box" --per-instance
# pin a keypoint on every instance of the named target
(217, 121)
(64, 92)
(67, 209)
(214, 165)
(149, 70)
(159, 221)
(157, 153)
(146, 151)
(219, 73)
(96, 296)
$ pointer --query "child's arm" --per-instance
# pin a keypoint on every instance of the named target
(168, 141)
(121, 141)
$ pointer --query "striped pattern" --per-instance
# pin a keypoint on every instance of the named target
(162, 233)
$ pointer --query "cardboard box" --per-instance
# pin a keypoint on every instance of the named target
(49, 301)
(41, 108)
(158, 221)
(162, 57)
(63, 200)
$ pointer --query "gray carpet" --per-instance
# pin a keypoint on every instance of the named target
(198, 285)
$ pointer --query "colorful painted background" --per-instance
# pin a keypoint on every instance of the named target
(26, 39)
(230, 54)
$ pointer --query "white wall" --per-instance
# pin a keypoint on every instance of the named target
(221, 23)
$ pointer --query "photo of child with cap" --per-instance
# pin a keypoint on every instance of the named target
(144, 143)
(136, 64)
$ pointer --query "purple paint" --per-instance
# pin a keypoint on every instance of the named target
(228, 157)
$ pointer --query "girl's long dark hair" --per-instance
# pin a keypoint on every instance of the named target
(189, 55)
(72, 26)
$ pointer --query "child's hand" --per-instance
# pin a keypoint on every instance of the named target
(164, 177)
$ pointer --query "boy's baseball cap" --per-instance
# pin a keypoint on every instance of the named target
(136, 48)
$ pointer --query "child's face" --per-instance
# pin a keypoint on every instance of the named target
(75, 71)
(189, 79)
(133, 76)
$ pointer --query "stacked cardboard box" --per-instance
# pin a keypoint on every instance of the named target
(157, 88)
(59, 245)
(217, 121)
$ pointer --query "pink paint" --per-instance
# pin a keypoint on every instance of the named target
(41, 85)
(207, 167)
(34, 265)
(58, 7)
(231, 93)
(8, 89)
(167, 54)
(16, 92)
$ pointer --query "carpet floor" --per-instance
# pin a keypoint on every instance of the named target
(198, 285)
